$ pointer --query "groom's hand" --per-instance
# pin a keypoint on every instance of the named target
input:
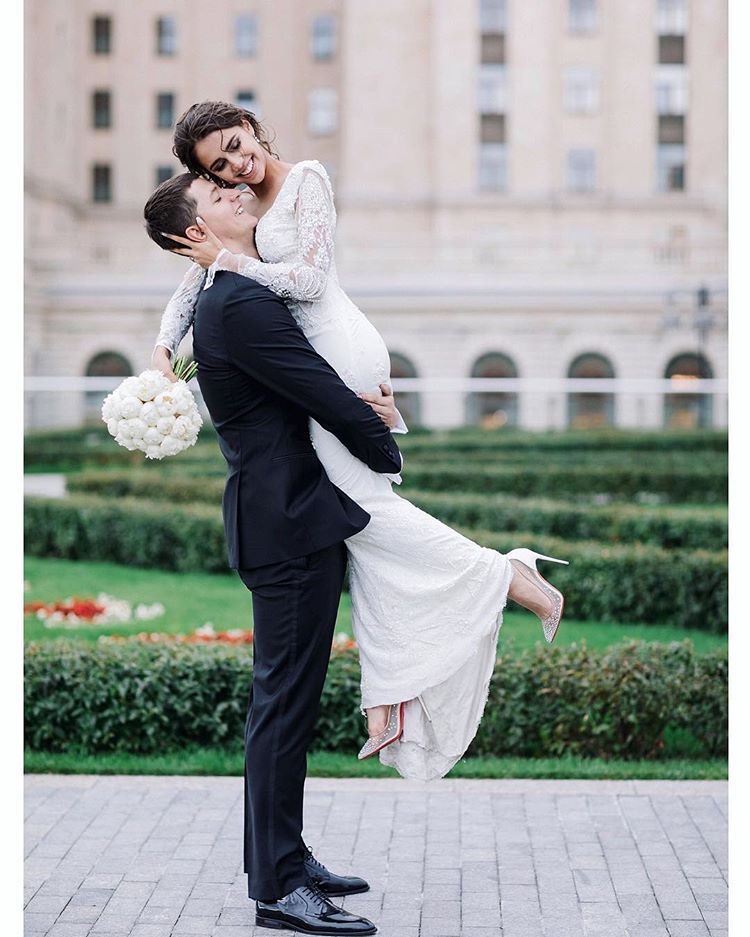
(384, 404)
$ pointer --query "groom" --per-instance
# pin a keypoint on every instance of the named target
(285, 525)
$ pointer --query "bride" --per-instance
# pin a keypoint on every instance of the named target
(427, 602)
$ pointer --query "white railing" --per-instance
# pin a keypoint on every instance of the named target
(566, 385)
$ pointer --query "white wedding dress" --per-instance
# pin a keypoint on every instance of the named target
(426, 602)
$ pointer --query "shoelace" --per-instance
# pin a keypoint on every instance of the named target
(311, 859)
(316, 894)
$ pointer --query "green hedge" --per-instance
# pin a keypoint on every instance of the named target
(131, 532)
(629, 583)
(680, 528)
(70, 450)
(471, 439)
(687, 484)
(548, 702)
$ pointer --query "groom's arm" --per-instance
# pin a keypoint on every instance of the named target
(265, 342)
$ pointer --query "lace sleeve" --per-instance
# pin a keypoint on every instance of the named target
(304, 278)
(180, 311)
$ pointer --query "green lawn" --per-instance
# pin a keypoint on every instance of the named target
(202, 761)
(191, 600)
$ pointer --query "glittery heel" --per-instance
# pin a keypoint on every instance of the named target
(394, 729)
(527, 568)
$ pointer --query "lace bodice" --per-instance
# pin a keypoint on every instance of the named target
(295, 238)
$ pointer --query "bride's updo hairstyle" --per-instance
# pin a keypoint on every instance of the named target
(204, 118)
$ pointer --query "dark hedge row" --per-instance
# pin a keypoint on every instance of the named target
(548, 702)
(669, 527)
(68, 450)
(629, 583)
(470, 439)
(674, 485)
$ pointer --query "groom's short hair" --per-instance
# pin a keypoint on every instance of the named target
(170, 209)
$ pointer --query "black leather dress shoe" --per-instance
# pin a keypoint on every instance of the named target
(308, 910)
(330, 883)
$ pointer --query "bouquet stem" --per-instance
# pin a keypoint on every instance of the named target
(184, 369)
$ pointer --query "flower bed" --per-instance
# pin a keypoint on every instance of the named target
(104, 610)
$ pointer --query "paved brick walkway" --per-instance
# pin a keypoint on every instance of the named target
(155, 857)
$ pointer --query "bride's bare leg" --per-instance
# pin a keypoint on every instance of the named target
(377, 719)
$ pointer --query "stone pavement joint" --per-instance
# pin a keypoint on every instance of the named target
(162, 856)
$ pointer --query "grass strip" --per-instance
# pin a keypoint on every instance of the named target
(220, 762)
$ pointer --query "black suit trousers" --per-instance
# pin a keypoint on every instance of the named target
(295, 603)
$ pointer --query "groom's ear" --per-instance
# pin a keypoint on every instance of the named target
(194, 233)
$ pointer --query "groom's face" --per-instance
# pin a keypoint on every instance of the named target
(228, 212)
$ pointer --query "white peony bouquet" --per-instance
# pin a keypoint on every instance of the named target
(150, 413)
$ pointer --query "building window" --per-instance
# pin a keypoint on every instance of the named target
(246, 36)
(671, 50)
(101, 183)
(671, 17)
(408, 401)
(670, 167)
(164, 110)
(322, 111)
(101, 35)
(101, 110)
(493, 128)
(688, 411)
(671, 89)
(493, 49)
(581, 89)
(105, 364)
(581, 170)
(246, 100)
(493, 409)
(581, 16)
(493, 16)
(493, 87)
(323, 37)
(587, 410)
(166, 35)
(493, 167)
(671, 128)
(163, 173)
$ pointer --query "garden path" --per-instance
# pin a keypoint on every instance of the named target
(45, 485)
(162, 856)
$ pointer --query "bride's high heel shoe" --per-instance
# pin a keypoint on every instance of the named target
(394, 729)
(526, 567)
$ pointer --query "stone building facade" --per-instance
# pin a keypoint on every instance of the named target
(530, 191)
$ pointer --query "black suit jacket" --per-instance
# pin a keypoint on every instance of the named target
(261, 380)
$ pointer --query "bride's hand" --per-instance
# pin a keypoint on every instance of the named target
(384, 404)
(161, 361)
(202, 252)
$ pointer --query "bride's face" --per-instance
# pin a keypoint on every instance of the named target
(233, 155)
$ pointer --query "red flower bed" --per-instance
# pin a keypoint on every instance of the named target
(86, 609)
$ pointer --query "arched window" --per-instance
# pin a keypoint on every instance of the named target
(493, 408)
(688, 411)
(406, 401)
(104, 364)
(587, 410)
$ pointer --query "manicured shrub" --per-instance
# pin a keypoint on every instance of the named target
(630, 583)
(669, 527)
(132, 532)
(547, 702)
(472, 439)
(686, 484)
